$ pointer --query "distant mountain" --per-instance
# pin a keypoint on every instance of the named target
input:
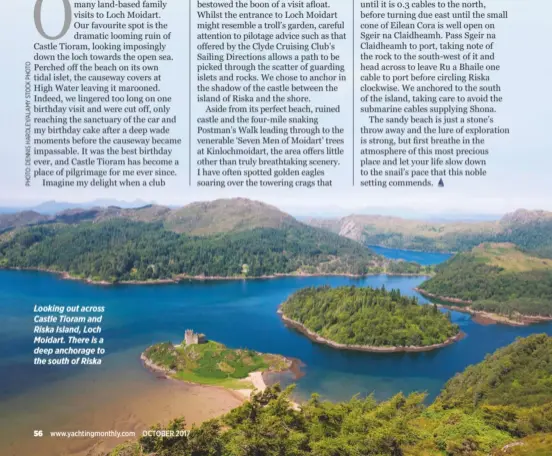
(201, 218)
(531, 230)
(525, 217)
(53, 207)
(336, 212)
(9, 221)
(223, 238)
(498, 278)
(221, 216)
(396, 232)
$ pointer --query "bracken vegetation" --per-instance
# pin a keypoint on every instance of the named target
(370, 317)
(512, 388)
(479, 412)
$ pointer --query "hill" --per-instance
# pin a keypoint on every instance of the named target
(519, 374)
(136, 245)
(480, 412)
(400, 233)
(531, 230)
(10, 221)
(198, 219)
(366, 318)
(222, 216)
(498, 278)
(512, 388)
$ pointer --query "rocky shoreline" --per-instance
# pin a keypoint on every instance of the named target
(481, 316)
(182, 278)
(148, 364)
(257, 379)
(366, 348)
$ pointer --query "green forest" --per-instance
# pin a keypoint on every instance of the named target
(506, 399)
(124, 250)
(498, 278)
(368, 316)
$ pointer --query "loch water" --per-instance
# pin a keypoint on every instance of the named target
(423, 258)
(236, 313)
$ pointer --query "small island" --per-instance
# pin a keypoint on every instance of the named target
(368, 319)
(206, 362)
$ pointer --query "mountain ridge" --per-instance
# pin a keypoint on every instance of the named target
(531, 230)
(236, 238)
(198, 218)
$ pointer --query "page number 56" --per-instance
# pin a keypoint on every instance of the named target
(66, 22)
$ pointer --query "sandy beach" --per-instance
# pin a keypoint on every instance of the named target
(168, 400)
(165, 400)
(104, 401)
(257, 380)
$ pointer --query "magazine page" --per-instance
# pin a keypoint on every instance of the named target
(275, 228)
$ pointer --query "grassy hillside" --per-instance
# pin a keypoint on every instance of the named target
(498, 278)
(480, 412)
(531, 230)
(212, 363)
(368, 317)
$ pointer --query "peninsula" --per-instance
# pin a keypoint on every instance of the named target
(201, 361)
(367, 319)
(223, 239)
(495, 282)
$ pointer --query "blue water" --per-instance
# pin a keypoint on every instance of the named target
(423, 258)
(236, 313)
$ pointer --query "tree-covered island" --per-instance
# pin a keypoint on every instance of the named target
(368, 319)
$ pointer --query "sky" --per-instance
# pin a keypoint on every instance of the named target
(518, 170)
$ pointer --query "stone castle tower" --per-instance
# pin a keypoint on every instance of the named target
(193, 338)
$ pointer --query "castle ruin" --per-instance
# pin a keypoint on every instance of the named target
(193, 338)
